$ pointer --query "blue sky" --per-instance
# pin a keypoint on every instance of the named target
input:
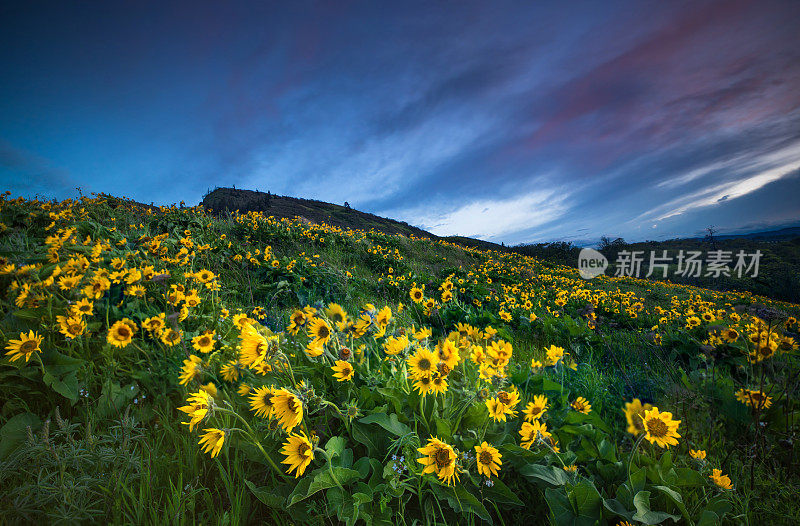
(514, 122)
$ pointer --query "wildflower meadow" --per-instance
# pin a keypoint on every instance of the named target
(173, 365)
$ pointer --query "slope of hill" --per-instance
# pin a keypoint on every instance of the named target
(342, 355)
(475, 243)
(778, 273)
(221, 200)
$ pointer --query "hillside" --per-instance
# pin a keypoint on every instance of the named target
(169, 365)
(779, 265)
(778, 279)
(225, 200)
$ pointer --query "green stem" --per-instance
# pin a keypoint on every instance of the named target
(330, 466)
(630, 460)
(552, 449)
(251, 435)
(339, 412)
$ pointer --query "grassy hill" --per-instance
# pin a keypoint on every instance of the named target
(778, 274)
(221, 200)
(168, 364)
(778, 278)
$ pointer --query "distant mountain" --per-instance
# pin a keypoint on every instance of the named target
(782, 234)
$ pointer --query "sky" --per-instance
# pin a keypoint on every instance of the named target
(507, 121)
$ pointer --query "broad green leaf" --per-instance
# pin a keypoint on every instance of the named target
(461, 500)
(60, 364)
(638, 478)
(361, 498)
(607, 450)
(389, 422)
(362, 465)
(499, 493)
(66, 386)
(364, 435)
(475, 417)
(689, 477)
(574, 417)
(15, 431)
(580, 505)
(335, 446)
(708, 518)
(114, 398)
(443, 430)
(548, 474)
(676, 498)
(324, 480)
(342, 502)
(267, 497)
(615, 506)
(28, 314)
(719, 505)
(519, 456)
(641, 501)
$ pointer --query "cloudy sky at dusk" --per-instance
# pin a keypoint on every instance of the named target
(511, 122)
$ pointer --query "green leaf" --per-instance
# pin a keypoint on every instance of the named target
(15, 431)
(689, 477)
(718, 506)
(519, 456)
(638, 479)
(607, 451)
(335, 446)
(66, 386)
(708, 518)
(28, 314)
(549, 385)
(548, 474)
(610, 471)
(323, 480)
(389, 422)
(641, 501)
(443, 428)
(60, 364)
(361, 498)
(461, 500)
(342, 502)
(267, 497)
(475, 417)
(114, 398)
(580, 505)
(575, 417)
(616, 507)
(499, 493)
(364, 435)
(676, 498)
(362, 465)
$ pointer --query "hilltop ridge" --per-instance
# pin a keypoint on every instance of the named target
(222, 200)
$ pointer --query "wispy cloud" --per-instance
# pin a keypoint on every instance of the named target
(729, 191)
(491, 218)
(743, 177)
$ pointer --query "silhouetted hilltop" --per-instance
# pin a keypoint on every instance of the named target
(222, 200)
